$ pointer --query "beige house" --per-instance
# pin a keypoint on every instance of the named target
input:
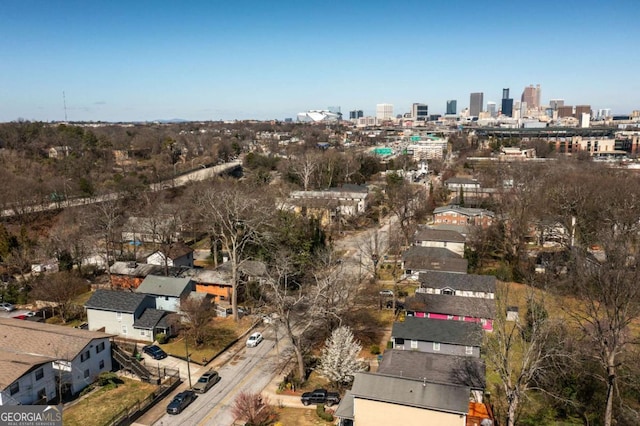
(377, 399)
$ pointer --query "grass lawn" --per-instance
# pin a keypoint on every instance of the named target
(99, 407)
(288, 416)
(223, 332)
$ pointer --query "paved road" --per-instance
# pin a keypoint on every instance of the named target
(250, 370)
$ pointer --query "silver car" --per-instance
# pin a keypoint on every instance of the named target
(8, 307)
(254, 340)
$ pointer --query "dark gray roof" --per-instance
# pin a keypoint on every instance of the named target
(435, 368)
(430, 234)
(476, 307)
(149, 318)
(345, 409)
(116, 301)
(413, 393)
(466, 282)
(165, 286)
(442, 331)
(418, 259)
(430, 252)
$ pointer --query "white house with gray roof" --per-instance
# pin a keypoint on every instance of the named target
(167, 291)
(465, 285)
(77, 358)
(437, 336)
(126, 314)
(377, 399)
(437, 238)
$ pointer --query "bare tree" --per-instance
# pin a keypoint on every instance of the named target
(105, 217)
(254, 408)
(197, 313)
(519, 351)
(374, 245)
(60, 288)
(304, 168)
(236, 216)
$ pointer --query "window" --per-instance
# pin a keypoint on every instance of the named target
(87, 373)
(119, 316)
(143, 332)
(100, 347)
(39, 373)
(436, 346)
(399, 341)
(14, 388)
(42, 394)
(124, 329)
(468, 350)
(101, 366)
(85, 356)
(414, 344)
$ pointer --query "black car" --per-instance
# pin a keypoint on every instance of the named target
(181, 401)
(154, 352)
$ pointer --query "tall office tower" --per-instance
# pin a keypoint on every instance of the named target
(452, 107)
(355, 114)
(582, 109)
(531, 95)
(554, 104)
(384, 111)
(507, 103)
(420, 112)
(523, 109)
(491, 109)
(475, 104)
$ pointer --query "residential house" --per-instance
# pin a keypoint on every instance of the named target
(468, 185)
(129, 275)
(331, 204)
(79, 356)
(416, 260)
(166, 290)
(436, 336)
(457, 215)
(179, 254)
(49, 265)
(218, 282)
(26, 379)
(437, 238)
(59, 151)
(436, 368)
(456, 308)
(467, 285)
(126, 314)
(377, 399)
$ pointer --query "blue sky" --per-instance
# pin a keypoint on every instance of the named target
(207, 60)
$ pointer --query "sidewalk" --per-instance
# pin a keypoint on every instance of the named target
(282, 400)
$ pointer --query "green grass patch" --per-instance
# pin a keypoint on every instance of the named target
(99, 407)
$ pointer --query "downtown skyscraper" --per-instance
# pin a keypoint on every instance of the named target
(475, 104)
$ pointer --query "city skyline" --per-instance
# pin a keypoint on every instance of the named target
(202, 61)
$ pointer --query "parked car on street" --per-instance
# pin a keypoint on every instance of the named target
(206, 381)
(386, 293)
(181, 401)
(8, 307)
(154, 351)
(254, 340)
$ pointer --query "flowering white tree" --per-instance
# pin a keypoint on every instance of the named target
(339, 361)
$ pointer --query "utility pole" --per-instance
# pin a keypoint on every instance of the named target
(186, 346)
(64, 102)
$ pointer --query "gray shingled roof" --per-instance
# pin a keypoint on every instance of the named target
(345, 409)
(435, 368)
(39, 338)
(164, 286)
(138, 270)
(442, 331)
(15, 365)
(429, 252)
(452, 305)
(149, 318)
(116, 301)
(413, 393)
(466, 282)
(430, 234)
